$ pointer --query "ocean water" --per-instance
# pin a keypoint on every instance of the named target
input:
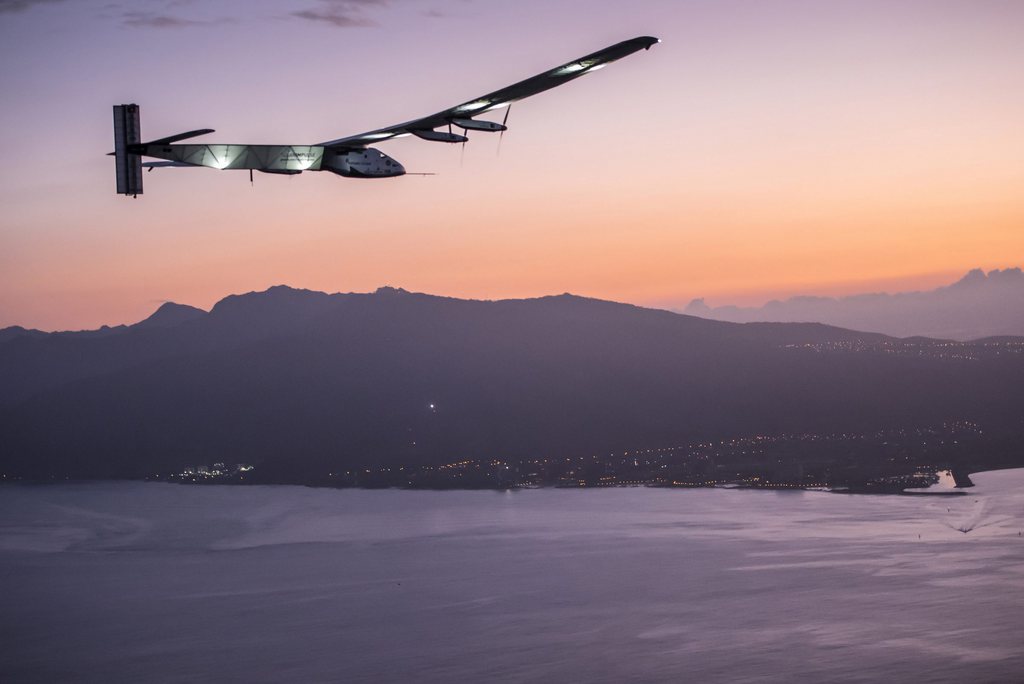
(133, 582)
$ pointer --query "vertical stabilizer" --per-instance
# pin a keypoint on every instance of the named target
(126, 134)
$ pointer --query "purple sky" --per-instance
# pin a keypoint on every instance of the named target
(764, 149)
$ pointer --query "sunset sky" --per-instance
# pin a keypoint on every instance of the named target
(764, 149)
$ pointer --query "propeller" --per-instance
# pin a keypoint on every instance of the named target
(462, 151)
(504, 121)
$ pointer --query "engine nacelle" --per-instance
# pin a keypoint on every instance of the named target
(474, 125)
(439, 136)
(362, 163)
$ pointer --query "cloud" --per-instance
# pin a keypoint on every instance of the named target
(337, 13)
(140, 19)
(333, 16)
(154, 20)
(21, 5)
(341, 13)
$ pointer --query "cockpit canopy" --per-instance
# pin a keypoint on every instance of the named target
(361, 163)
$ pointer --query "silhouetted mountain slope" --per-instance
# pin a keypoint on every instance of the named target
(18, 331)
(170, 315)
(978, 305)
(301, 382)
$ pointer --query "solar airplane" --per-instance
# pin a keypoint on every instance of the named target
(353, 156)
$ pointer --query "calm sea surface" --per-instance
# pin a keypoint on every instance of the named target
(132, 582)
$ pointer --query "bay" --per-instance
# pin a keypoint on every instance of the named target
(122, 581)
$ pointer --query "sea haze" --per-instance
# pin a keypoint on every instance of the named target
(977, 306)
(156, 582)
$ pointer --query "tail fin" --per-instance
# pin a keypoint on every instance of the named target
(126, 134)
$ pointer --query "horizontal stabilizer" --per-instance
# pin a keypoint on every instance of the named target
(180, 136)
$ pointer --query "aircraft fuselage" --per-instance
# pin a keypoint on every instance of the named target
(287, 159)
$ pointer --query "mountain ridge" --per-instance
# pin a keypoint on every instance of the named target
(976, 306)
(171, 314)
(299, 382)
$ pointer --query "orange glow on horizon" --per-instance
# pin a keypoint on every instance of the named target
(757, 153)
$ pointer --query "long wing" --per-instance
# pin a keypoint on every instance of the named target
(465, 112)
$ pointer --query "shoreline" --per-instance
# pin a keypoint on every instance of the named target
(839, 489)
